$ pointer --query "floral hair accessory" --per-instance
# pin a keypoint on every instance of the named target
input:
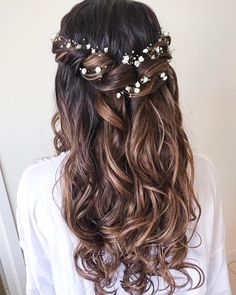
(68, 43)
(153, 51)
(136, 89)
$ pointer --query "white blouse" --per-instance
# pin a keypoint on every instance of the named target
(48, 244)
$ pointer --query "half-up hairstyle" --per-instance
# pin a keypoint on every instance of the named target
(127, 189)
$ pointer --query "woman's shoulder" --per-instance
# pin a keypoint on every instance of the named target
(204, 164)
(45, 163)
(206, 178)
(206, 187)
(39, 177)
(42, 167)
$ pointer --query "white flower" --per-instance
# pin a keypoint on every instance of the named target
(105, 49)
(68, 45)
(145, 50)
(136, 90)
(98, 69)
(141, 59)
(88, 46)
(78, 46)
(137, 84)
(84, 71)
(93, 50)
(163, 76)
(145, 79)
(137, 63)
(125, 59)
(118, 94)
(157, 49)
(128, 88)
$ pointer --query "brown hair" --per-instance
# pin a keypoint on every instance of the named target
(128, 179)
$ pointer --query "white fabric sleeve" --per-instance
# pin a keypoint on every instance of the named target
(218, 276)
(31, 239)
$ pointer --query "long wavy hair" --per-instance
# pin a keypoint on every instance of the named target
(127, 189)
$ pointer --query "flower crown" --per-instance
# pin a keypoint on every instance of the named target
(152, 51)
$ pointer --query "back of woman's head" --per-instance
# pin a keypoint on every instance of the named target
(128, 178)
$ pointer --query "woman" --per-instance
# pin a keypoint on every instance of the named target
(125, 205)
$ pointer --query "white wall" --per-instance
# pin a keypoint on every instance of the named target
(203, 35)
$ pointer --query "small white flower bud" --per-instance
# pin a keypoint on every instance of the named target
(125, 59)
(84, 71)
(98, 69)
(137, 63)
(128, 88)
(118, 94)
(141, 59)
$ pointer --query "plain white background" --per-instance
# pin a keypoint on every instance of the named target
(204, 42)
